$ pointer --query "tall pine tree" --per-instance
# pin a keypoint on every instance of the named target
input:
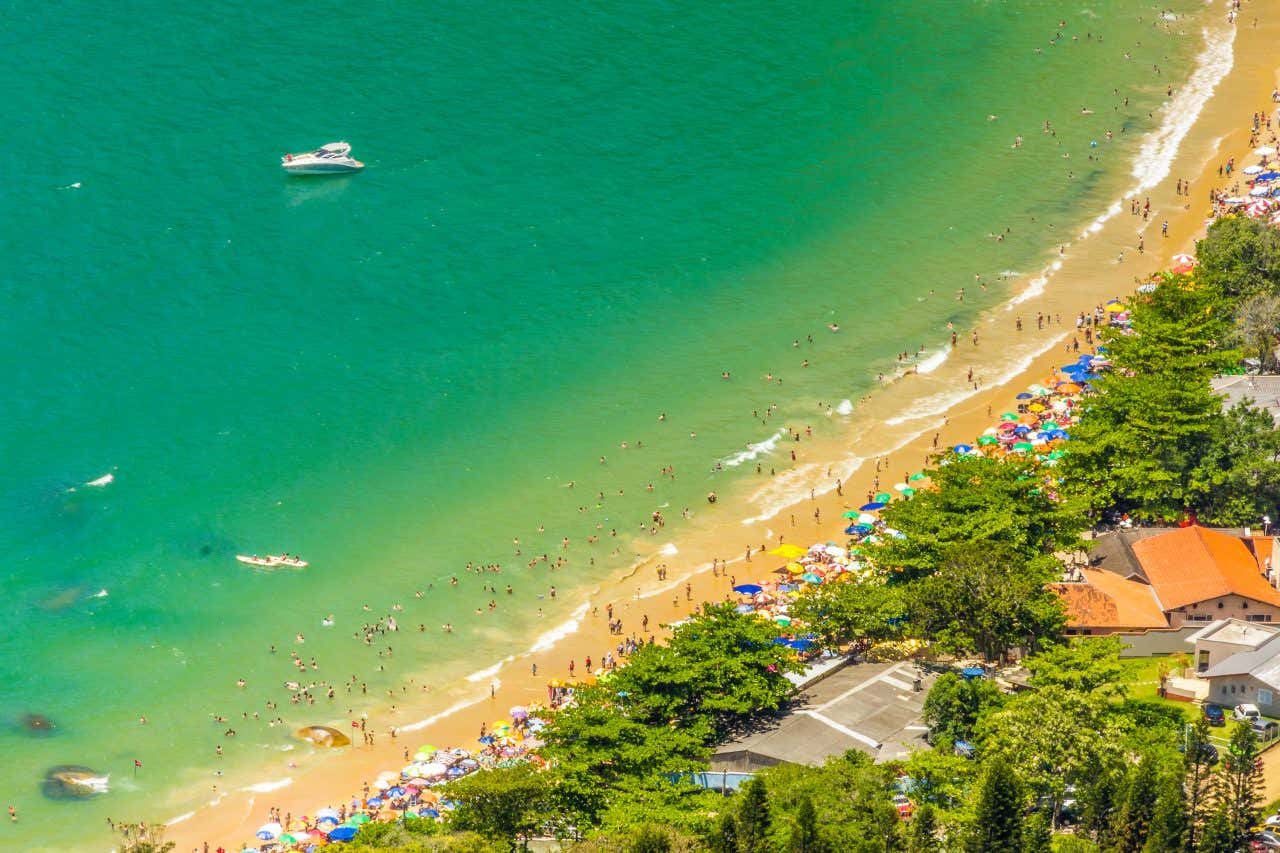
(754, 820)
(805, 837)
(1037, 837)
(1238, 786)
(1197, 779)
(1133, 820)
(1218, 835)
(997, 821)
(922, 831)
(1169, 821)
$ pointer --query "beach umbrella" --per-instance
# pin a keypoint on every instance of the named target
(866, 518)
(850, 513)
(1036, 407)
(1264, 151)
(1008, 417)
(812, 578)
(322, 814)
(782, 620)
(288, 839)
(748, 588)
(519, 712)
(795, 568)
(902, 487)
(741, 608)
(884, 497)
(871, 507)
(1022, 446)
(1251, 170)
(343, 833)
(908, 492)
(835, 551)
(788, 551)
(917, 477)
(356, 820)
(374, 801)
(1024, 396)
(429, 749)
(988, 440)
(269, 831)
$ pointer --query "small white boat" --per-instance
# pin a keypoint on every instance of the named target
(272, 560)
(334, 158)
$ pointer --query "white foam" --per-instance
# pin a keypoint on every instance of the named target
(435, 718)
(268, 787)
(180, 818)
(558, 633)
(102, 593)
(1155, 158)
(933, 362)
(489, 672)
(104, 480)
(669, 549)
(755, 450)
(1036, 286)
(791, 487)
(845, 407)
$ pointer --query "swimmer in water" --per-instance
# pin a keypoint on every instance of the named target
(327, 621)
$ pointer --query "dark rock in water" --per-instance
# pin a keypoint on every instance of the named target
(37, 724)
(206, 550)
(73, 782)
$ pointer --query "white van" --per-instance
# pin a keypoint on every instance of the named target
(1246, 713)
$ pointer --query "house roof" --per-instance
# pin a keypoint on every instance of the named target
(1106, 600)
(1235, 632)
(1263, 663)
(1193, 564)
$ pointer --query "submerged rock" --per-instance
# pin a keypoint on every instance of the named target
(73, 782)
(322, 736)
(37, 725)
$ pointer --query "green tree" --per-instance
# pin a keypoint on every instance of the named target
(1132, 825)
(725, 837)
(754, 819)
(843, 612)
(850, 796)
(985, 597)
(1257, 324)
(505, 804)
(954, 704)
(922, 831)
(597, 745)
(1197, 776)
(1237, 478)
(1053, 738)
(997, 821)
(940, 777)
(650, 839)
(1084, 666)
(1169, 820)
(805, 837)
(1219, 835)
(1037, 837)
(1100, 796)
(1239, 256)
(977, 499)
(722, 667)
(679, 806)
(1238, 785)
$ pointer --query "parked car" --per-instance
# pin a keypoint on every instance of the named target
(1264, 728)
(1246, 711)
(1214, 715)
(904, 806)
(1265, 840)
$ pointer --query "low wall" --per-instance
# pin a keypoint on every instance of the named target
(1145, 644)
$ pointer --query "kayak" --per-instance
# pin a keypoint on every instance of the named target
(273, 560)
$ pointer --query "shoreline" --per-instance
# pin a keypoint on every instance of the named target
(1244, 88)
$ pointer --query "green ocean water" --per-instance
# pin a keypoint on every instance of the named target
(573, 218)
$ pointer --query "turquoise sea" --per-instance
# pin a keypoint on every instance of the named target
(573, 218)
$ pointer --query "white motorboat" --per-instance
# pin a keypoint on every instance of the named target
(272, 560)
(334, 158)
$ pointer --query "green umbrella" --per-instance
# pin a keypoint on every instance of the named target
(919, 476)
(884, 497)
(1024, 446)
(1049, 425)
(1008, 416)
(853, 513)
(359, 818)
(1056, 454)
(908, 492)
(287, 839)
(988, 439)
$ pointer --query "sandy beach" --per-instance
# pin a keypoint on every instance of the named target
(899, 424)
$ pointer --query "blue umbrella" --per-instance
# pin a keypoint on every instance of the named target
(871, 507)
(325, 814)
(851, 530)
(964, 448)
(327, 818)
(1025, 395)
(266, 836)
(396, 791)
(973, 672)
(748, 588)
(428, 813)
(863, 528)
(375, 801)
(812, 578)
(800, 645)
(744, 608)
(787, 587)
(343, 833)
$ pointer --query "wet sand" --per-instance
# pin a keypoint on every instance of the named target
(1003, 361)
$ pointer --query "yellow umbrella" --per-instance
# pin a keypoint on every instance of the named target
(788, 551)
(1115, 307)
(1036, 407)
(795, 568)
